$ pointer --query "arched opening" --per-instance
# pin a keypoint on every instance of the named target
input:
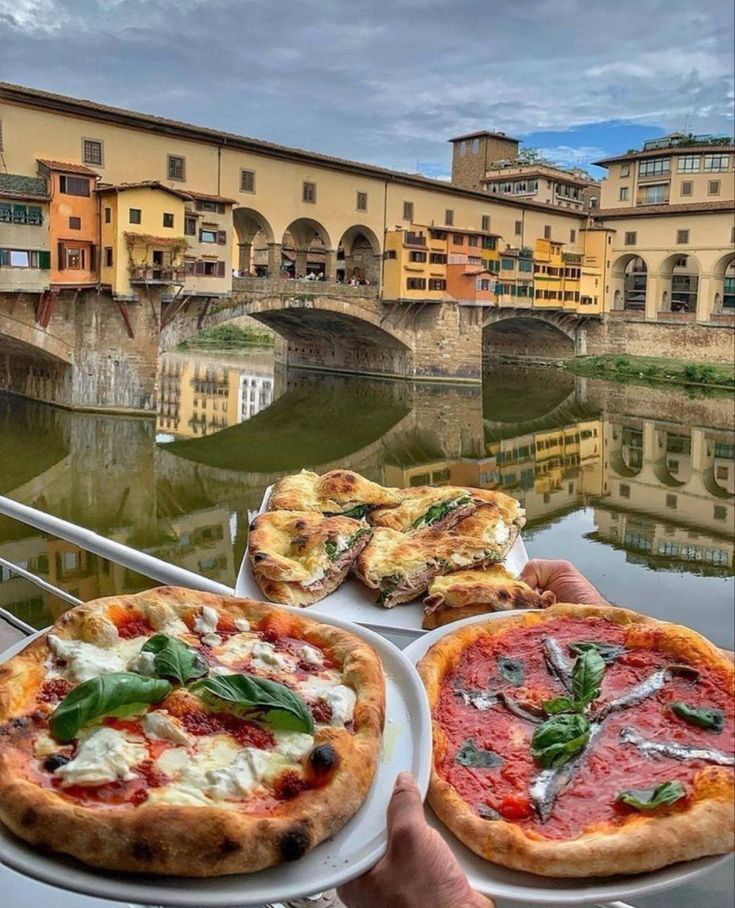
(681, 276)
(254, 250)
(724, 279)
(306, 251)
(358, 257)
(526, 338)
(630, 278)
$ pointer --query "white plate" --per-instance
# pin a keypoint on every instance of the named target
(406, 746)
(517, 886)
(355, 602)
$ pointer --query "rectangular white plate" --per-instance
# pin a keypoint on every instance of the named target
(354, 602)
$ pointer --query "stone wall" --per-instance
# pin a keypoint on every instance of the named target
(529, 340)
(696, 342)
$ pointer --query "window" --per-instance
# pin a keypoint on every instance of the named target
(482, 284)
(437, 258)
(408, 211)
(485, 222)
(525, 265)
(654, 195)
(190, 226)
(689, 163)
(168, 219)
(308, 193)
(108, 256)
(507, 264)
(92, 152)
(207, 236)
(437, 284)
(473, 240)
(625, 170)
(519, 228)
(682, 236)
(547, 232)
(654, 166)
(572, 236)
(475, 150)
(416, 283)
(720, 512)
(75, 223)
(176, 167)
(624, 490)
(686, 187)
(362, 201)
(108, 215)
(716, 162)
(135, 216)
(713, 187)
(74, 185)
(74, 258)
(624, 194)
(631, 237)
(247, 181)
(390, 254)
(458, 239)
(21, 214)
(414, 256)
(449, 217)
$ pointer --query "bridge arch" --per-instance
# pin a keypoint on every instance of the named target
(680, 273)
(307, 248)
(359, 255)
(530, 335)
(724, 283)
(630, 282)
(255, 239)
(34, 363)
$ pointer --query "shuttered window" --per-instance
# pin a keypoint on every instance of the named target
(247, 181)
(309, 193)
(176, 168)
(92, 152)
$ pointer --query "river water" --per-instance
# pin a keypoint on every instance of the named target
(632, 483)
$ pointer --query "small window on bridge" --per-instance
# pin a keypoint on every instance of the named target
(631, 237)
(190, 226)
(75, 223)
(168, 219)
(108, 215)
(682, 236)
(519, 228)
(176, 167)
(92, 152)
(108, 256)
(408, 211)
(416, 283)
(547, 232)
(247, 181)
(73, 185)
(485, 222)
(135, 215)
(362, 201)
(437, 284)
(449, 217)
(309, 193)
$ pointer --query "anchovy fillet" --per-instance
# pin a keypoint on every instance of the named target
(557, 662)
(674, 750)
(645, 689)
(527, 711)
(480, 700)
(548, 784)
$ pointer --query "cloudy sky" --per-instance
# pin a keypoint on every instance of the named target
(389, 81)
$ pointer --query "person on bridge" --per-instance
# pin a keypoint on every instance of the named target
(419, 869)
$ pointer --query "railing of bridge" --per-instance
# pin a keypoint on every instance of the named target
(300, 287)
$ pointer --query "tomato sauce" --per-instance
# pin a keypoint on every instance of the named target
(609, 765)
(53, 691)
(247, 734)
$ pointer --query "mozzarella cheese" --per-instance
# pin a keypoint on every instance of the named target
(311, 655)
(85, 661)
(265, 656)
(104, 756)
(160, 725)
(242, 624)
(143, 663)
(206, 625)
(342, 700)
(294, 745)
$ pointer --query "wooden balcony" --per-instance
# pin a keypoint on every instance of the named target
(151, 275)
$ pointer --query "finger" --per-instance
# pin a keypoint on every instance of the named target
(406, 809)
(534, 573)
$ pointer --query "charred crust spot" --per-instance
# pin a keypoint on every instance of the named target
(294, 843)
(260, 556)
(143, 850)
(503, 595)
(229, 846)
(300, 525)
(323, 760)
(29, 817)
(299, 542)
(20, 726)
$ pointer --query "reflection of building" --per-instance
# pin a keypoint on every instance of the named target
(203, 394)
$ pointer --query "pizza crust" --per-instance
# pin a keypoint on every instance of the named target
(643, 843)
(331, 493)
(178, 840)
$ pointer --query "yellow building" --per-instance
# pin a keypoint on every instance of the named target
(25, 257)
(415, 264)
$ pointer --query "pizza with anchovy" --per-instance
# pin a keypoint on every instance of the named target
(442, 507)
(465, 594)
(178, 732)
(299, 557)
(402, 565)
(582, 741)
(338, 492)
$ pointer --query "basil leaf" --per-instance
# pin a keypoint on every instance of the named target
(651, 798)
(607, 651)
(174, 659)
(331, 548)
(589, 670)
(704, 717)
(360, 510)
(103, 696)
(472, 756)
(280, 706)
(559, 705)
(435, 513)
(558, 739)
(512, 670)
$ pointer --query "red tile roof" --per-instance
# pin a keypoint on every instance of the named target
(211, 198)
(639, 211)
(67, 167)
(142, 184)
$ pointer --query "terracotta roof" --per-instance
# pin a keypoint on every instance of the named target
(142, 184)
(483, 132)
(666, 152)
(67, 167)
(211, 198)
(15, 186)
(688, 208)
(20, 94)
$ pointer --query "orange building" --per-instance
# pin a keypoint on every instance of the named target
(73, 223)
(471, 272)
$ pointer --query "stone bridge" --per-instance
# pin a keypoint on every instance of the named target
(535, 331)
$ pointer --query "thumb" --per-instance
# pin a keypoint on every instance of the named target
(406, 809)
(532, 574)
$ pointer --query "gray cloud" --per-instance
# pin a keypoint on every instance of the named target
(384, 82)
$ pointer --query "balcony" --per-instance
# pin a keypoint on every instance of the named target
(166, 274)
(414, 239)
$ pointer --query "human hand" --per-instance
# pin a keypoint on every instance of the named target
(562, 579)
(419, 869)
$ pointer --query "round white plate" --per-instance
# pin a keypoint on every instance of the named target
(356, 848)
(517, 886)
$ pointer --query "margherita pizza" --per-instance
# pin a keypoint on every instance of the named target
(177, 732)
(582, 741)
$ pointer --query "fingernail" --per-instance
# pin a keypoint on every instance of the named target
(403, 778)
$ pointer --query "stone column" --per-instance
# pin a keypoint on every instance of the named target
(301, 261)
(274, 259)
(655, 285)
(709, 285)
(330, 265)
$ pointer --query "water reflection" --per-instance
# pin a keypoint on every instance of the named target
(636, 484)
